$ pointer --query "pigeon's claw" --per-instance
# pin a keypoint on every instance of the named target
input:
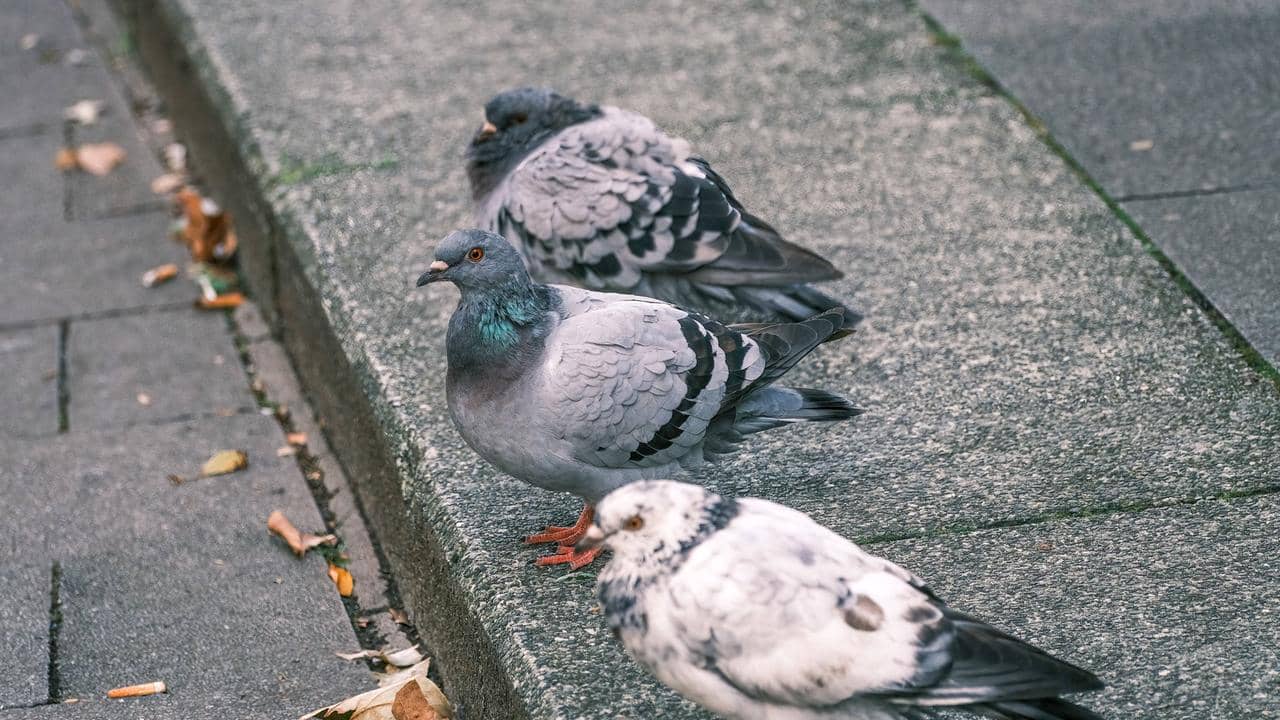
(566, 555)
(565, 535)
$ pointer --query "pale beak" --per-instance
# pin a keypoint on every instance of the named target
(433, 272)
(487, 130)
(591, 540)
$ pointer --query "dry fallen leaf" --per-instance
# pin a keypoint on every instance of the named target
(176, 480)
(1141, 145)
(29, 41)
(206, 228)
(224, 301)
(297, 438)
(160, 274)
(99, 158)
(144, 399)
(399, 617)
(150, 688)
(223, 462)
(342, 580)
(175, 156)
(65, 160)
(167, 183)
(411, 704)
(286, 451)
(85, 112)
(403, 658)
(387, 703)
(297, 541)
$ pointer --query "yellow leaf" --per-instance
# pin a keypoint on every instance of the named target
(223, 462)
(342, 579)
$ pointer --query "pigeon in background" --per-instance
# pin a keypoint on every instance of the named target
(753, 610)
(599, 197)
(582, 392)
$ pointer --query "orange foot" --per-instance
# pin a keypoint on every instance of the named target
(565, 535)
(565, 554)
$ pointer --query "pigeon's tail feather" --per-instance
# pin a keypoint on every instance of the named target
(784, 344)
(1037, 709)
(770, 408)
(791, 302)
(774, 407)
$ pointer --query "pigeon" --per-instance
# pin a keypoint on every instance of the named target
(599, 197)
(579, 391)
(753, 610)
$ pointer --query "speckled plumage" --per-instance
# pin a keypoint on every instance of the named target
(580, 391)
(601, 198)
(753, 610)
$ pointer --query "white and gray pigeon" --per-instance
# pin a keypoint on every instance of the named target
(582, 392)
(753, 610)
(599, 197)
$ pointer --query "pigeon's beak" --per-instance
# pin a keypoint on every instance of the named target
(433, 273)
(486, 131)
(590, 541)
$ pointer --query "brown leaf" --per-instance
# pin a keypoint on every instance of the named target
(223, 462)
(342, 580)
(297, 438)
(221, 302)
(144, 399)
(99, 158)
(411, 704)
(385, 703)
(399, 617)
(297, 541)
(176, 480)
(159, 275)
(207, 230)
(65, 159)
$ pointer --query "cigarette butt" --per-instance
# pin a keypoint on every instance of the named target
(221, 302)
(142, 690)
(157, 275)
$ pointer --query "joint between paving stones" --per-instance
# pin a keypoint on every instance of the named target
(64, 381)
(54, 679)
(955, 49)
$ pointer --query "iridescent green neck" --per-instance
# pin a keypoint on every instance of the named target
(490, 325)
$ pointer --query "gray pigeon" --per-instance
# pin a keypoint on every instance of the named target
(599, 197)
(583, 392)
(753, 610)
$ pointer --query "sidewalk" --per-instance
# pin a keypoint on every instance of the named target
(114, 574)
(1057, 436)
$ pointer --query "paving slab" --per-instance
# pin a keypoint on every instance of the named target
(39, 198)
(184, 361)
(52, 22)
(37, 91)
(1023, 356)
(181, 583)
(25, 590)
(1229, 246)
(1196, 79)
(52, 269)
(1185, 633)
(29, 395)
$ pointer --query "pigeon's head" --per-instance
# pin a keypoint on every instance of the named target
(652, 520)
(515, 122)
(475, 259)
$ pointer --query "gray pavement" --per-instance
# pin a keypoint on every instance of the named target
(115, 574)
(1029, 369)
(1171, 107)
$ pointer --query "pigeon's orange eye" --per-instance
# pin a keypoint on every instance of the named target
(635, 522)
(475, 254)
